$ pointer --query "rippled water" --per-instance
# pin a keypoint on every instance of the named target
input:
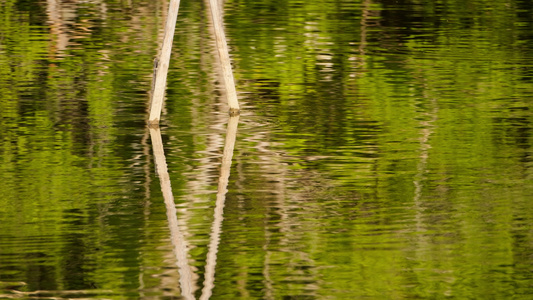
(383, 151)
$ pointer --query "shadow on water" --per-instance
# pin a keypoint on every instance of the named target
(178, 240)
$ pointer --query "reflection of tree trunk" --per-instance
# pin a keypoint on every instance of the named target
(53, 10)
(269, 289)
(177, 238)
(147, 171)
(427, 128)
(277, 176)
(426, 131)
(364, 24)
(61, 14)
(147, 181)
(219, 207)
(366, 21)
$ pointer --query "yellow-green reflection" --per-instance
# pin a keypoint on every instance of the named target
(384, 150)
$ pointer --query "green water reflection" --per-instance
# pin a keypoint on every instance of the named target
(383, 151)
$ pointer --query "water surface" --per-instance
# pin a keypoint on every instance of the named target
(383, 151)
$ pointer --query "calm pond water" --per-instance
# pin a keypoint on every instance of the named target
(384, 151)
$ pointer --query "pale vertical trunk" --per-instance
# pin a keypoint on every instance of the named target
(161, 71)
(223, 53)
